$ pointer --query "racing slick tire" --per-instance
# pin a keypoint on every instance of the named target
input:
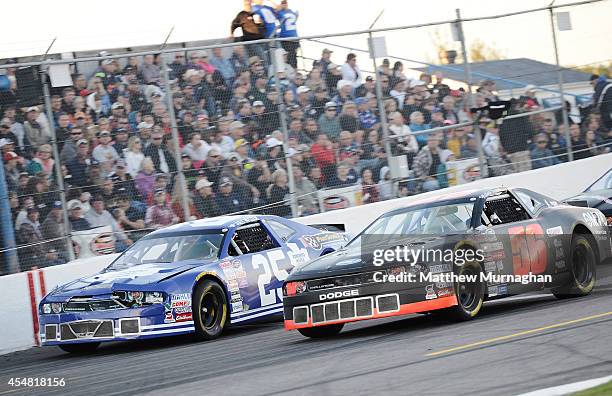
(322, 331)
(209, 309)
(470, 295)
(81, 349)
(583, 269)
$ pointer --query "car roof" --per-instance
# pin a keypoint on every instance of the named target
(216, 223)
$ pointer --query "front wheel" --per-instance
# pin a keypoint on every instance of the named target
(209, 309)
(81, 349)
(583, 269)
(322, 331)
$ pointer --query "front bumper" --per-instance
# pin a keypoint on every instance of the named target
(370, 301)
(111, 325)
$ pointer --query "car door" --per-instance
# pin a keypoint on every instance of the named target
(265, 264)
(520, 247)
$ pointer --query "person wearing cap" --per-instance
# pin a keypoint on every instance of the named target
(204, 199)
(123, 181)
(105, 151)
(79, 165)
(241, 148)
(315, 81)
(329, 122)
(30, 234)
(324, 62)
(257, 93)
(69, 151)
(160, 215)
(7, 134)
(75, 216)
(12, 169)
(228, 201)
(121, 140)
(235, 171)
(602, 98)
(36, 127)
(16, 128)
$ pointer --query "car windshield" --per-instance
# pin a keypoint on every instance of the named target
(171, 248)
(603, 183)
(446, 219)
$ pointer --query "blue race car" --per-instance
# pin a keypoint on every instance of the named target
(197, 277)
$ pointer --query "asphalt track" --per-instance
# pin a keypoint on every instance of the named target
(515, 346)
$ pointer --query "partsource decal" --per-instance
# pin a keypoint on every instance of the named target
(318, 240)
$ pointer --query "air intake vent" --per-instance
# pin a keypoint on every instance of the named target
(387, 303)
(332, 311)
(105, 330)
(317, 313)
(129, 326)
(51, 332)
(66, 333)
(364, 306)
(347, 309)
(300, 315)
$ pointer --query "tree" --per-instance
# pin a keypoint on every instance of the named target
(481, 52)
(601, 69)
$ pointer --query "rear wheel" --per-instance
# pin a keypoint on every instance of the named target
(322, 331)
(209, 309)
(583, 274)
(470, 294)
(82, 349)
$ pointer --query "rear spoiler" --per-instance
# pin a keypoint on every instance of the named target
(329, 227)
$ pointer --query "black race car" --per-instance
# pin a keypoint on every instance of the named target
(450, 254)
(598, 195)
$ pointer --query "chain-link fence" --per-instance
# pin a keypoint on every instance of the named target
(99, 151)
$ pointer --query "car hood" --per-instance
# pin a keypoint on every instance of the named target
(140, 277)
(353, 258)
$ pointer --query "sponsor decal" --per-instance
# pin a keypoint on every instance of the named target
(492, 246)
(102, 244)
(244, 220)
(560, 263)
(558, 230)
(182, 310)
(338, 294)
(493, 291)
(490, 266)
(240, 273)
(442, 285)
(168, 317)
(430, 294)
(185, 317)
(503, 289)
(180, 300)
(237, 306)
(445, 292)
(230, 274)
(318, 240)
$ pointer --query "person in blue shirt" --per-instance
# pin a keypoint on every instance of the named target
(267, 15)
(288, 19)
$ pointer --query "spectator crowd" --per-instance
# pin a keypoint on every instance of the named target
(120, 160)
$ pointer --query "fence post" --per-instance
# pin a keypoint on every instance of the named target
(282, 115)
(175, 138)
(9, 252)
(570, 154)
(381, 106)
(58, 166)
(470, 100)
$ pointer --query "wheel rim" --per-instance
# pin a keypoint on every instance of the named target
(210, 309)
(583, 264)
(468, 292)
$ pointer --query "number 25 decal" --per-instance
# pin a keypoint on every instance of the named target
(270, 267)
(528, 249)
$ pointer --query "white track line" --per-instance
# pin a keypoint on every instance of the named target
(569, 388)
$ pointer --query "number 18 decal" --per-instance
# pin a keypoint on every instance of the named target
(528, 249)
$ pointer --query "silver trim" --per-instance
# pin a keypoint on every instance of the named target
(307, 313)
(57, 333)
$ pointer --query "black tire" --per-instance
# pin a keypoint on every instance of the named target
(322, 331)
(583, 269)
(470, 295)
(80, 349)
(209, 309)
